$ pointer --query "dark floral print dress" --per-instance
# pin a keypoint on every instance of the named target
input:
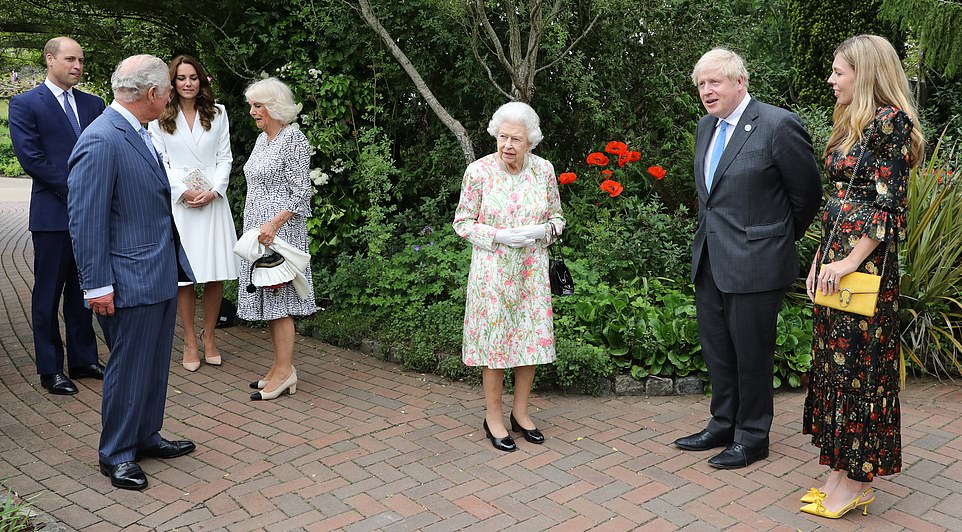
(852, 408)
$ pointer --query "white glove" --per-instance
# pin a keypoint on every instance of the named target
(513, 238)
(536, 232)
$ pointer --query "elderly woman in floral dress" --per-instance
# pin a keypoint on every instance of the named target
(509, 203)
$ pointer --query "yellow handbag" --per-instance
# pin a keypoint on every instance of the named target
(857, 293)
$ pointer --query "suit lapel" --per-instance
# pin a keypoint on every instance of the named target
(137, 143)
(55, 109)
(190, 140)
(744, 129)
(702, 138)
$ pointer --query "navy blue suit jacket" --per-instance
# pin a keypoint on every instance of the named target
(121, 224)
(42, 140)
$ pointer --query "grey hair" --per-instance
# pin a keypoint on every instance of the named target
(276, 97)
(517, 113)
(731, 65)
(135, 75)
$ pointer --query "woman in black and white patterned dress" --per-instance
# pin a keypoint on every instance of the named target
(278, 203)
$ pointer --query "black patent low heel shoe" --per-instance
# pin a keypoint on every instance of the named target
(505, 444)
(533, 435)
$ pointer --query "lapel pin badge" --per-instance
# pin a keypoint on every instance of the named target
(748, 127)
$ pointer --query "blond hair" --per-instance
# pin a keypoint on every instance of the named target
(728, 62)
(276, 97)
(879, 81)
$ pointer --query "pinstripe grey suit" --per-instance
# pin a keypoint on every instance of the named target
(765, 191)
(123, 236)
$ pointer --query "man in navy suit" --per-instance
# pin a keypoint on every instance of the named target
(130, 259)
(44, 125)
(758, 189)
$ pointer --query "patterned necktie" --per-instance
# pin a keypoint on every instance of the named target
(146, 138)
(716, 154)
(71, 117)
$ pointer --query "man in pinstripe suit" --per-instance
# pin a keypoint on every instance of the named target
(758, 189)
(129, 258)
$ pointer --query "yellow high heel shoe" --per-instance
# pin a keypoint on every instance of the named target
(812, 495)
(816, 507)
(289, 386)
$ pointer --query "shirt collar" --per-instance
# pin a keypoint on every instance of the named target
(736, 115)
(57, 91)
(128, 116)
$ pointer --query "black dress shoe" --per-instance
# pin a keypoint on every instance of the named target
(505, 444)
(702, 441)
(736, 456)
(167, 449)
(91, 371)
(533, 435)
(58, 384)
(125, 475)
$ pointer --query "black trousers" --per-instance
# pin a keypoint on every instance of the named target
(738, 343)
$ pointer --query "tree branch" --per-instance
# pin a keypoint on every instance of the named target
(571, 46)
(459, 132)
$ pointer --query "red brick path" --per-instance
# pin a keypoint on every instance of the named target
(364, 445)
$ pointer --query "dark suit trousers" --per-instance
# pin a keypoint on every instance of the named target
(135, 383)
(55, 275)
(738, 342)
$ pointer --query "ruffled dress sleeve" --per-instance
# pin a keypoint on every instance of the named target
(890, 145)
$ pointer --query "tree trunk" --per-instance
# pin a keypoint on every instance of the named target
(453, 124)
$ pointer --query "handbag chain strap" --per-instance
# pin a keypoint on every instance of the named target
(838, 218)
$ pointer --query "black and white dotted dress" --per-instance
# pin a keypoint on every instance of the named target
(278, 178)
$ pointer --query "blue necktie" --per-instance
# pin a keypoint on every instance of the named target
(716, 154)
(71, 117)
(146, 138)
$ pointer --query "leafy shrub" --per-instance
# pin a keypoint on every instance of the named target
(579, 366)
(630, 237)
(9, 165)
(645, 325)
(793, 344)
(931, 282)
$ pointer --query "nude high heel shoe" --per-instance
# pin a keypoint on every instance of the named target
(289, 386)
(211, 361)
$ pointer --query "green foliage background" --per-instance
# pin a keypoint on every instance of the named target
(387, 264)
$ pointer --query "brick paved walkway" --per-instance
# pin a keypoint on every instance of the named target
(364, 445)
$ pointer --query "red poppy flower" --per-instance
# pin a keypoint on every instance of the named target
(597, 158)
(616, 148)
(613, 188)
(567, 178)
(657, 172)
(634, 156)
(623, 159)
(606, 173)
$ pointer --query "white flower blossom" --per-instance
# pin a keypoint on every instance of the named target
(339, 166)
(319, 177)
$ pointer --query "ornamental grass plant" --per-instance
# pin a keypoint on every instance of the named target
(931, 282)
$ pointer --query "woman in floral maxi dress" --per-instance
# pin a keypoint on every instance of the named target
(852, 408)
(508, 200)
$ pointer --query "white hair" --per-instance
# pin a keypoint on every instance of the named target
(731, 65)
(135, 75)
(517, 113)
(276, 97)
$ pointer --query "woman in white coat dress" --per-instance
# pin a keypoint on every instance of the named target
(193, 140)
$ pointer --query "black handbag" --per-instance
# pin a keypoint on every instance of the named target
(560, 278)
